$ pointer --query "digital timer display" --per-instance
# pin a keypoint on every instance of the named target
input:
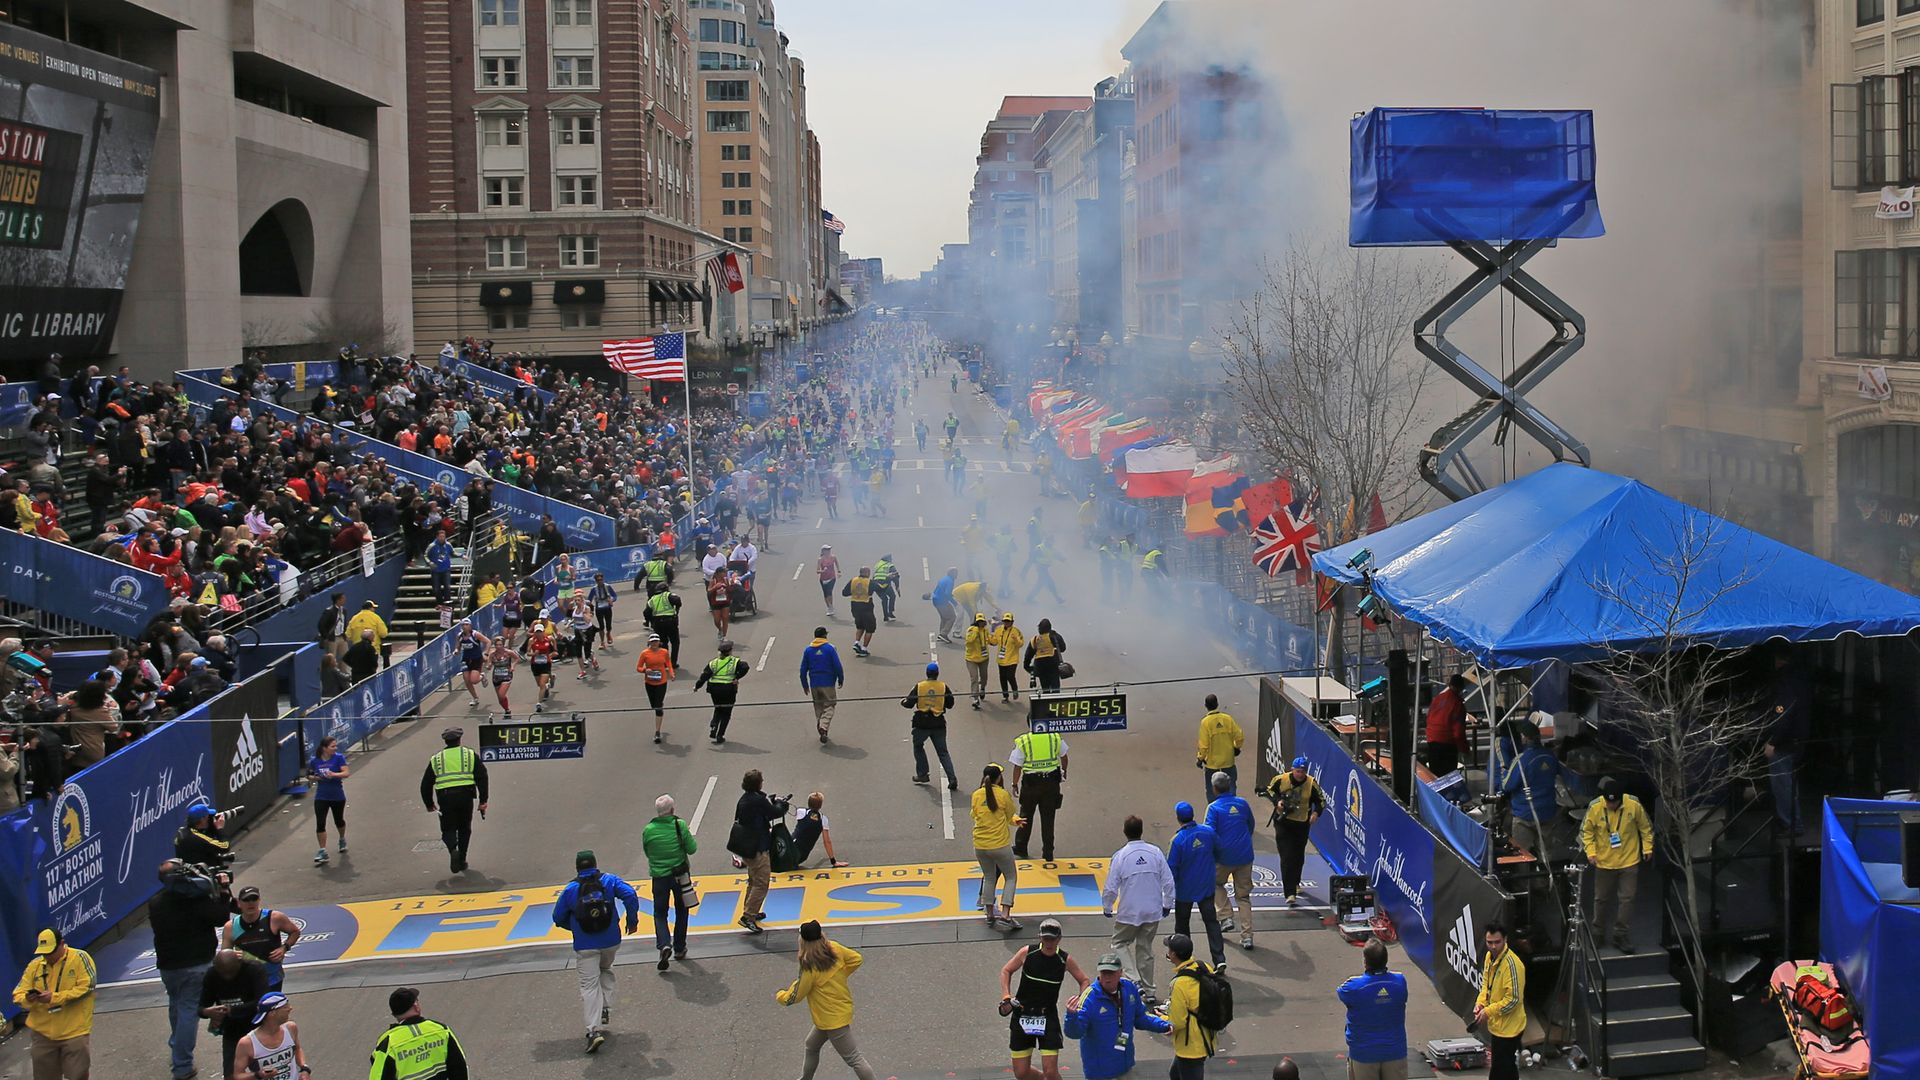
(1063, 713)
(533, 741)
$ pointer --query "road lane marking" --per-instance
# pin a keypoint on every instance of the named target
(946, 810)
(933, 657)
(700, 811)
(762, 665)
(797, 570)
(819, 523)
(925, 573)
(920, 522)
(916, 489)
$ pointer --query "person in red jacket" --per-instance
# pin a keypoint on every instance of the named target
(1447, 727)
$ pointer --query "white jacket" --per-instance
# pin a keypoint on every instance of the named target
(1139, 884)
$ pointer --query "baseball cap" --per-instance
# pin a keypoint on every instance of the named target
(48, 941)
(268, 1002)
(979, 617)
(1006, 616)
(653, 637)
(401, 1000)
(1183, 811)
(1180, 945)
(251, 892)
(199, 809)
(810, 930)
(1110, 962)
(1300, 762)
(584, 859)
(199, 661)
(1050, 928)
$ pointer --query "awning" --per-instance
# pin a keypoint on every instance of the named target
(506, 294)
(835, 298)
(580, 291)
(686, 292)
(660, 292)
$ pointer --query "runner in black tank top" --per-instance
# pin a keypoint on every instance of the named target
(1033, 1021)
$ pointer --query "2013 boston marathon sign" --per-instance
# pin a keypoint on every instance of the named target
(76, 134)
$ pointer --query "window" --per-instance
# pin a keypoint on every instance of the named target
(1867, 308)
(1867, 12)
(726, 179)
(1870, 121)
(729, 232)
(506, 253)
(723, 31)
(578, 251)
(744, 152)
(499, 12)
(573, 71)
(500, 130)
(724, 61)
(500, 71)
(726, 90)
(507, 318)
(727, 121)
(577, 190)
(573, 12)
(506, 192)
(726, 151)
(578, 129)
(746, 235)
(1907, 7)
(579, 316)
(744, 179)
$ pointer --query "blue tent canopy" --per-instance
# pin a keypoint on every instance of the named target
(1509, 575)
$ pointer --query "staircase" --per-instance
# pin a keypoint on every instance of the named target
(415, 611)
(1647, 1030)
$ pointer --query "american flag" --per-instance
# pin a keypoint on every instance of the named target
(662, 357)
(1284, 540)
(832, 223)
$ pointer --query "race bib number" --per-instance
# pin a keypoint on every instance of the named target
(1033, 1025)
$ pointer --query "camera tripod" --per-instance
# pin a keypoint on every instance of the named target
(1574, 955)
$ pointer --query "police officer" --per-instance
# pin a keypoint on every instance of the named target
(1297, 804)
(930, 699)
(456, 779)
(658, 574)
(721, 677)
(1039, 768)
(886, 585)
(416, 1048)
(662, 615)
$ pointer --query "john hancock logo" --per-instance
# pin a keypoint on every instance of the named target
(79, 861)
(121, 597)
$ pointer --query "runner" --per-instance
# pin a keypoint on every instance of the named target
(500, 662)
(1033, 1011)
(563, 577)
(540, 650)
(509, 616)
(584, 631)
(720, 601)
(656, 664)
(473, 655)
(829, 570)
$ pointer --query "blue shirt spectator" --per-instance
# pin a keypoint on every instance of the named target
(1103, 1016)
(566, 908)
(440, 555)
(820, 665)
(1530, 785)
(1232, 822)
(1376, 1004)
(1190, 854)
(943, 590)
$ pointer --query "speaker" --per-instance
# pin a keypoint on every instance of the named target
(1910, 851)
(1400, 723)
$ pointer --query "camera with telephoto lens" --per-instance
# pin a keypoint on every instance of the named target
(1289, 802)
(197, 880)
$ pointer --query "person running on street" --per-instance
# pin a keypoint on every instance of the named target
(1007, 641)
(721, 677)
(584, 632)
(656, 668)
(262, 933)
(720, 601)
(604, 596)
(589, 907)
(1297, 804)
(540, 651)
(1044, 653)
(993, 823)
(669, 846)
(1033, 1009)
(886, 585)
(473, 658)
(500, 661)
(1003, 545)
(272, 1050)
(1232, 822)
(1042, 559)
(510, 615)
(329, 770)
(821, 677)
(859, 593)
(825, 968)
(930, 699)
(830, 491)
(828, 568)
(1219, 747)
(920, 433)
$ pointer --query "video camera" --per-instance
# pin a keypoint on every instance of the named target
(195, 880)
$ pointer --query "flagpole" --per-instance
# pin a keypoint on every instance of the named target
(686, 386)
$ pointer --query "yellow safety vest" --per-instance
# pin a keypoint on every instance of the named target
(656, 569)
(883, 572)
(860, 590)
(418, 1050)
(1039, 753)
(933, 696)
(721, 670)
(452, 767)
(1043, 646)
(660, 605)
(1151, 561)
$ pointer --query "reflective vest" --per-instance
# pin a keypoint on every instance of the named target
(1039, 753)
(660, 606)
(932, 696)
(1151, 561)
(418, 1050)
(722, 670)
(883, 573)
(656, 569)
(452, 767)
(1043, 646)
(860, 590)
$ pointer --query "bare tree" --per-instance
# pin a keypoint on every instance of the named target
(1320, 362)
(1677, 698)
(371, 332)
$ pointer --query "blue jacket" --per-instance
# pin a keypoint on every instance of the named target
(1097, 1023)
(1190, 856)
(943, 590)
(1232, 822)
(440, 554)
(622, 894)
(1376, 1016)
(1532, 774)
(820, 666)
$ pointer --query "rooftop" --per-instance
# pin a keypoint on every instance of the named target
(1034, 105)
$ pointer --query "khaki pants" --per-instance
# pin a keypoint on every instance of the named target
(977, 678)
(759, 874)
(1377, 1070)
(998, 864)
(1615, 889)
(64, 1059)
(842, 1040)
(596, 983)
(338, 647)
(1242, 878)
(1135, 945)
(824, 699)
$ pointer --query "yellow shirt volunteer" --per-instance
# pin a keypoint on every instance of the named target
(1009, 641)
(1220, 740)
(992, 828)
(1629, 823)
(367, 619)
(1503, 992)
(1190, 1039)
(826, 992)
(976, 644)
(69, 1014)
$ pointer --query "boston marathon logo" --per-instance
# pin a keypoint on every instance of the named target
(37, 167)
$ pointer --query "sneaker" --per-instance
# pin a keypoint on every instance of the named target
(606, 1016)
(656, 738)
(507, 717)
(343, 845)
(1011, 923)
(823, 735)
(1220, 966)
(751, 927)
(1246, 940)
(681, 956)
(923, 779)
(665, 956)
(595, 663)
(1293, 900)
(473, 704)
(976, 704)
(595, 1040)
(952, 784)
(582, 676)
(1226, 926)
(540, 706)
(320, 857)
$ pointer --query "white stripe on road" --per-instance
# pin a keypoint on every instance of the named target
(916, 489)
(762, 665)
(797, 570)
(920, 522)
(933, 657)
(819, 523)
(925, 574)
(946, 810)
(700, 811)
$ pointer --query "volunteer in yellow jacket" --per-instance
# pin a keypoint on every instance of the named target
(1220, 743)
(56, 990)
(1502, 1004)
(1617, 837)
(1192, 1041)
(824, 970)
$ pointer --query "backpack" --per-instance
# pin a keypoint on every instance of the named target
(1214, 1010)
(1823, 1002)
(593, 911)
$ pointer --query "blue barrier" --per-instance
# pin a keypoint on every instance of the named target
(22, 848)
(16, 401)
(301, 373)
(490, 380)
(1462, 833)
(371, 704)
(79, 585)
(301, 622)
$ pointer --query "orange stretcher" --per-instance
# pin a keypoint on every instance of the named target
(1824, 1055)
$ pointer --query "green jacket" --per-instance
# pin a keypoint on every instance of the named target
(668, 844)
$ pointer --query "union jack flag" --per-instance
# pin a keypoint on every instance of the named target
(1286, 540)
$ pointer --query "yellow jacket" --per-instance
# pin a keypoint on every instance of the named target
(977, 643)
(1630, 822)
(491, 592)
(826, 993)
(1010, 641)
(1190, 1040)
(992, 828)
(367, 619)
(1220, 740)
(71, 983)
(1503, 994)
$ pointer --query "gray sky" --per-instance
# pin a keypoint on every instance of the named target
(900, 90)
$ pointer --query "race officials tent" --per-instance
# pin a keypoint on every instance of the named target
(1509, 575)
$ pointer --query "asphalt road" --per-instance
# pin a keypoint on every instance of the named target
(926, 994)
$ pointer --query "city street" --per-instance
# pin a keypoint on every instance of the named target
(926, 995)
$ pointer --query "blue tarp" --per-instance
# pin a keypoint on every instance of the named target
(1422, 177)
(1509, 575)
(1870, 926)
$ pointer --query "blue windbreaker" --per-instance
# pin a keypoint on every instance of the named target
(1096, 1023)
(1232, 822)
(618, 891)
(1376, 1016)
(820, 666)
(1190, 856)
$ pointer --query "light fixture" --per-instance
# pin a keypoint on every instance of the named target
(1360, 559)
(1372, 688)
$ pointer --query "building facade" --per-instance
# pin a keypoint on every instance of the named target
(1079, 170)
(553, 177)
(1009, 209)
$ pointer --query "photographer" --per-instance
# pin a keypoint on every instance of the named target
(1297, 804)
(201, 840)
(192, 904)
